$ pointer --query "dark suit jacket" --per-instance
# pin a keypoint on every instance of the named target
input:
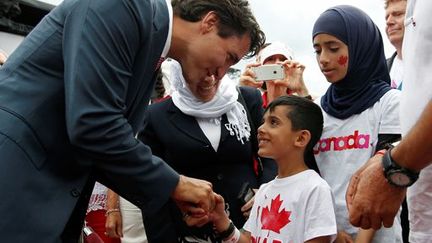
(72, 97)
(390, 61)
(178, 139)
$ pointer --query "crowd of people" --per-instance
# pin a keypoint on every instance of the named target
(117, 120)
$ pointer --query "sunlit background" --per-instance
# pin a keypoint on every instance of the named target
(291, 22)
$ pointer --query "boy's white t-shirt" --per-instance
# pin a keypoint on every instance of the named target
(292, 209)
(346, 145)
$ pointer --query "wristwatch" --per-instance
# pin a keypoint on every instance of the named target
(395, 174)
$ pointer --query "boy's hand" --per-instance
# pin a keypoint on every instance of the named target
(114, 225)
(218, 216)
(343, 237)
(195, 216)
(195, 221)
(246, 208)
(365, 236)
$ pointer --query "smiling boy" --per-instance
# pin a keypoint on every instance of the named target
(297, 206)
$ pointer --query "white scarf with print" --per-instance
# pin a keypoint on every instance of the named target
(224, 102)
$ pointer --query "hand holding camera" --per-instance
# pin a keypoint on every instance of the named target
(278, 77)
(293, 78)
(269, 72)
(247, 78)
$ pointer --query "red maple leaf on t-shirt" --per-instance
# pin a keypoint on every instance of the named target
(272, 219)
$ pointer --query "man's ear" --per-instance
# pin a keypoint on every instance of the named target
(303, 138)
(209, 22)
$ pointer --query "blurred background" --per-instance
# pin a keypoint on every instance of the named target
(287, 21)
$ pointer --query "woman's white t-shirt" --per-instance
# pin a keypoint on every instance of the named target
(346, 145)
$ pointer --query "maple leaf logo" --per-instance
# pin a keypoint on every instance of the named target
(343, 60)
(272, 219)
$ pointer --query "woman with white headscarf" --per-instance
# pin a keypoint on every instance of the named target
(206, 130)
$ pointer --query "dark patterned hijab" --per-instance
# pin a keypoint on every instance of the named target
(367, 79)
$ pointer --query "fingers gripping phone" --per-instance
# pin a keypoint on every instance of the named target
(269, 72)
(246, 193)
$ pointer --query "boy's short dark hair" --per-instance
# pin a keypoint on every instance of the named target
(304, 114)
(235, 18)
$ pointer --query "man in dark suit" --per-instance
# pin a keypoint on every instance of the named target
(395, 16)
(72, 98)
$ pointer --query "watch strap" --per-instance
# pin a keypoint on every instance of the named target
(390, 166)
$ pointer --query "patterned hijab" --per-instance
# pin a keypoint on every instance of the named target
(367, 79)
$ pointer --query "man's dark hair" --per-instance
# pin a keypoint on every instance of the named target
(304, 114)
(235, 18)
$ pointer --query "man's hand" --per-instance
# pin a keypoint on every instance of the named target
(371, 200)
(194, 196)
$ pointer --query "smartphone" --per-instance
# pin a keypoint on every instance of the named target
(246, 193)
(269, 72)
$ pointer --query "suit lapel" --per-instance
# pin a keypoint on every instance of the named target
(186, 124)
(142, 81)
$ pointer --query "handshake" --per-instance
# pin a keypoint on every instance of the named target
(200, 205)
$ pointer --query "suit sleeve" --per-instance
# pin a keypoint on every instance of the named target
(148, 135)
(101, 39)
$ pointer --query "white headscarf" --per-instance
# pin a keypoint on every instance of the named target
(224, 102)
(275, 48)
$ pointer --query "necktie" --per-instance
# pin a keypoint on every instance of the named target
(159, 63)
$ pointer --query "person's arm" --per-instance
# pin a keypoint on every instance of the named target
(99, 52)
(365, 236)
(373, 205)
(343, 237)
(414, 150)
(113, 223)
(223, 224)
(322, 239)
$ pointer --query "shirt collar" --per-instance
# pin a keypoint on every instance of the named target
(168, 40)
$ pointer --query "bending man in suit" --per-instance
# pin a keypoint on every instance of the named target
(72, 97)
